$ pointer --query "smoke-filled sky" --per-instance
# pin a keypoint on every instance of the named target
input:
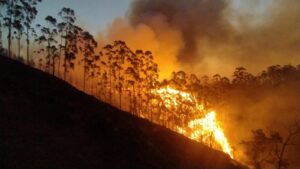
(98, 14)
(199, 36)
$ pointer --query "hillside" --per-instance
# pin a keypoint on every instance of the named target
(47, 123)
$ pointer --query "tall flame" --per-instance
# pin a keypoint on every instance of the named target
(207, 127)
(204, 127)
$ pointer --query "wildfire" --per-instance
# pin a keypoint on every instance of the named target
(207, 128)
(202, 126)
(171, 96)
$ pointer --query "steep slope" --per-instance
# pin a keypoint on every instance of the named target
(46, 123)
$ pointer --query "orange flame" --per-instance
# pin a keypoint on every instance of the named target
(205, 129)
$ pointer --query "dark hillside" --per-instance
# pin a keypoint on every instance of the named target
(47, 123)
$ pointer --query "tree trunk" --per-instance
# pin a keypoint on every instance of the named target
(281, 155)
(104, 90)
(65, 67)
(139, 101)
(53, 65)
(19, 45)
(120, 91)
(9, 38)
(149, 108)
(65, 58)
(96, 89)
(27, 42)
(99, 89)
(59, 57)
(48, 57)
(110, 87)
(9, 29)
(1, 45)
(65, 63)
(84, 74)
(133, 100)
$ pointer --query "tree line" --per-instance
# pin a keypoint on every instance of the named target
(115, 73)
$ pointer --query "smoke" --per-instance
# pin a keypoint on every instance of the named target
(164, 44)
(195, 19)
(273, 108)
(218, 35)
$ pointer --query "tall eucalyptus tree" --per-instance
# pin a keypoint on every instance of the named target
(71, 37)
(48, 36)
(89, 45)
(30, 13)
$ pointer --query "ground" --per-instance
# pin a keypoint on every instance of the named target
(47, 123)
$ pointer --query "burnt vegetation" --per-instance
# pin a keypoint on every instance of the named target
(126, 79)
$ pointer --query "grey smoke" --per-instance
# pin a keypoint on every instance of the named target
(207, 31)
(194, 19)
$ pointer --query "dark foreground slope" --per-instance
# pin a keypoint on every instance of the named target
(46, 123)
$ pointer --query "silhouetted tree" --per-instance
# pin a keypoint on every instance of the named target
(239, 76)
(120, 52)
(151, 79)
(108, 52)
(8, 21)
(193, 84)
(269, 149)
(100, 77)
(89, 45)
(274, 74)
(3, 5)
(118, 57)
(140, 59)
(132, 78)
(282, 144)
(13, 20)
(48, 35)
(61, 31)
(30, 12)
(70, 35)
(19, 27)
(94, 73)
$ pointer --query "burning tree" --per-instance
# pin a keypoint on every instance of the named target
(192, 119)
(129, 79)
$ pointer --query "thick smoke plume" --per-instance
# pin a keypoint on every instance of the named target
(195, 19)
(216, 35)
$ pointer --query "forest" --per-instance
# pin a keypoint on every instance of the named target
(129, 80)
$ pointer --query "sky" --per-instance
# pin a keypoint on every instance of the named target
(95, 15)
(264, 32)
